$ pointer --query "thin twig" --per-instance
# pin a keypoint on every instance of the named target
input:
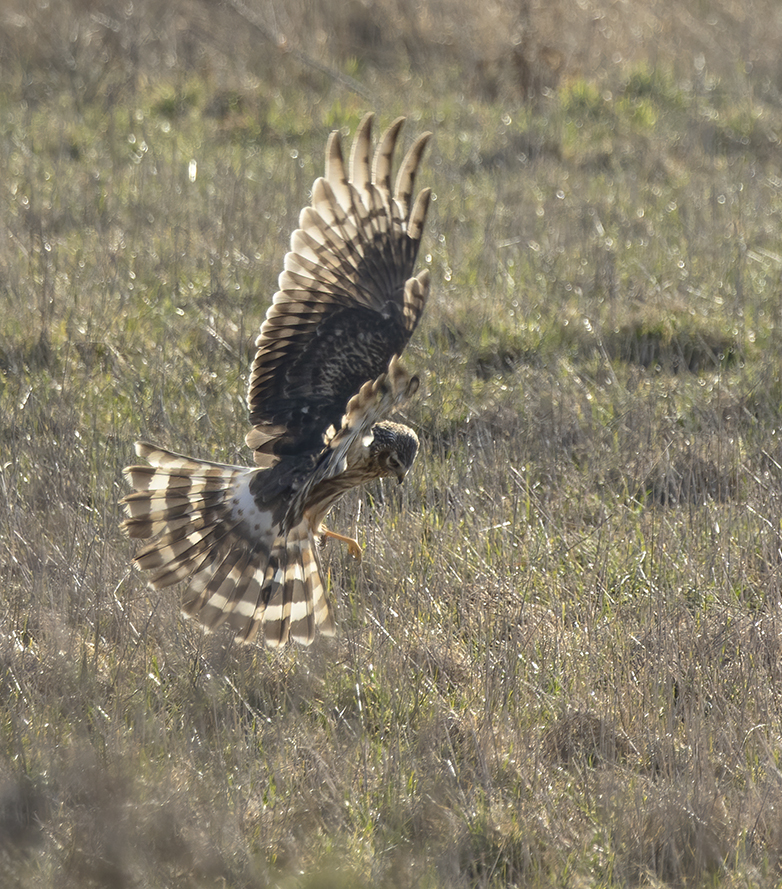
(249, 15)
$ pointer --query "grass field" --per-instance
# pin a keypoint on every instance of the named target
(557, 664)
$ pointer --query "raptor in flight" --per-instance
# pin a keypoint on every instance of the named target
(326, 376)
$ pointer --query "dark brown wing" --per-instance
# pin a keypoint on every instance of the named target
(347, 300)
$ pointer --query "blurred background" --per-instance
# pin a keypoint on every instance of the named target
(511, 51)
(558, 663)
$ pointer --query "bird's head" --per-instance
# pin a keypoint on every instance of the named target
(392, 450)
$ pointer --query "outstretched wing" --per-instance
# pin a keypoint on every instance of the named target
(348, 446)
(348, 301)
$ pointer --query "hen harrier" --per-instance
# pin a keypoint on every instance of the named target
(326, 374)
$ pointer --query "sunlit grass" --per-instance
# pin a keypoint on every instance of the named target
(557, 663)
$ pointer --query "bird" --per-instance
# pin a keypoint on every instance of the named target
(324, 381)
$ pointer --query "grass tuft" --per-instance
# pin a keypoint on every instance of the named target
(558, 662)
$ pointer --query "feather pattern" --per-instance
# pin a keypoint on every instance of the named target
(347, 299)
(325, 377)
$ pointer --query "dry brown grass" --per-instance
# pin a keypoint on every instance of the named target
(558, 662)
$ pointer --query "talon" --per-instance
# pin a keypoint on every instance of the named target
(353, 548)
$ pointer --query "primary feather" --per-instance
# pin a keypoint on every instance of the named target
(325, 377)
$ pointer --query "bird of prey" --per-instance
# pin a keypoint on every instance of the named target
(325, 378)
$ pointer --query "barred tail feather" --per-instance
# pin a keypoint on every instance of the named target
(180, 502)
(207, 529)
(296, 601)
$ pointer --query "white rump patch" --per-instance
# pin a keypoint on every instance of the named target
(258, 522)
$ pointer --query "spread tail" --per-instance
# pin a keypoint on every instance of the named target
(211, 526)
(296, 601)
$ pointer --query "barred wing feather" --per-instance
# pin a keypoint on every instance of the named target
(347, 301)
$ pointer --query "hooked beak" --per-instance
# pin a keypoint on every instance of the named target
(400, 476)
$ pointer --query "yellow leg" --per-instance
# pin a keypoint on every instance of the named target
(353, 548)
